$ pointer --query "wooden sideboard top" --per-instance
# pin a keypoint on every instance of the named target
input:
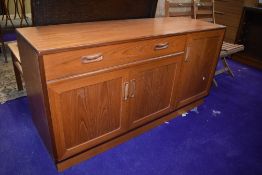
(54, 38)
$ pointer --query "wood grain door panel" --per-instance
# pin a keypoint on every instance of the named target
(152, 94)
(87, 111)
(199, 65)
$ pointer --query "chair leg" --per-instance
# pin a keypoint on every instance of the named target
(3, 9)
(16, 9)
(18, 77)
(23, 13)
(7, 14)
(4, 51)
(228, 70)
(215, 82)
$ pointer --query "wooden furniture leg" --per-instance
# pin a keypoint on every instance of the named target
(3, 8)
(4, 51)
(18, 77)
(3, 45)
(16, 64)
(215, 82)
(16, 9)
(227, 68)
(8, 18)
(23, 13)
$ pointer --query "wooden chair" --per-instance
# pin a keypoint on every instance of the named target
(227, 50)
(174, 9)
(6, 14)
(16, 64)
(204, 10)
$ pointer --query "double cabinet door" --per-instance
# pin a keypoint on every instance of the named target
(88, 111)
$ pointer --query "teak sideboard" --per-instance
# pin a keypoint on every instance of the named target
(92, 86)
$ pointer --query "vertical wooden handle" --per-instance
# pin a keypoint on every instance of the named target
(187, 53)
(126, 87)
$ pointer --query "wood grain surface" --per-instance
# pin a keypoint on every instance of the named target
(69, 63)
(202, 53)
(145, 72)
(152, 88)
(50, 39)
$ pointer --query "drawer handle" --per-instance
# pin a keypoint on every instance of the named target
(161, 46)
(92, 58)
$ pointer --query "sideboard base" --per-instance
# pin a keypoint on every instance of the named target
(61, 166)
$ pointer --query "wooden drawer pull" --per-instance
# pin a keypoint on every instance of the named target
(187, 53)
(126, 89)
(92, 58)
(161, 46)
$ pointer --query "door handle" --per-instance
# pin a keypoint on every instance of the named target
(187, 53)
(125, 89)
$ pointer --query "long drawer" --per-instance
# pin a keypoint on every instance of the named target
(76, 62)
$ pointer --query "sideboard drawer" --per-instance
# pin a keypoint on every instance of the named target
(81, 61)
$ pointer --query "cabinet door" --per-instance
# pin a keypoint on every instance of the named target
(151, 90)
(87, 111)
(199, 65)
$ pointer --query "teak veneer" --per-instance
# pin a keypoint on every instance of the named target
(94, 85)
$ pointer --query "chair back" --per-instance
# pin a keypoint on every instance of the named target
(204, 10)
(175, 9)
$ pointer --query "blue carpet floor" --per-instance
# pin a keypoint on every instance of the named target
(224, 137)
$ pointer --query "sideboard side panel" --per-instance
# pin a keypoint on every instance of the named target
(35, 91)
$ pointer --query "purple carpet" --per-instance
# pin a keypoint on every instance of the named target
(222, 137)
